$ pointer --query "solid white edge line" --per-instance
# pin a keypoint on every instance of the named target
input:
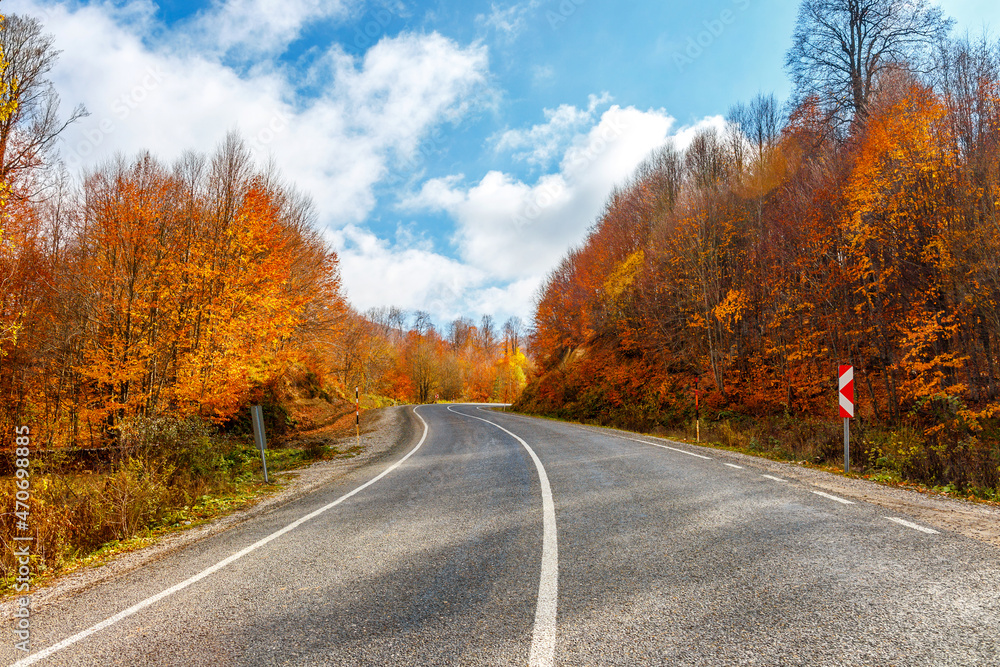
(69, 641)
(543, 637)
(776, 479)
(833, 497)
(910, 524)
(733, 465)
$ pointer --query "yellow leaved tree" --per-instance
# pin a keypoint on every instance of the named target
(8, 103)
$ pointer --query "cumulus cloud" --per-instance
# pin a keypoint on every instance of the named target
(509, 20)
(258, 27)
(413, 277)
(517, 231)
(373, 111)
(514, 231)
(541, 143)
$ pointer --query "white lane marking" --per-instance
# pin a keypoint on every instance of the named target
(910, 524)
(44, 653)
(832, 497)
(653, 444)
(543, 638)
(733, 465)
(776, 479)
(681, 451)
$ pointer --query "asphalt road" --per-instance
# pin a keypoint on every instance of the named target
(512, 539)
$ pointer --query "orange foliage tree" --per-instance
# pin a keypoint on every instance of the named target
(753, 273)
(167, 291)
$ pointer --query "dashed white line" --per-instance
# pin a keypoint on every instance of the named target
(139, 606)
(646, 442)
(680, 451)
(543, 638)
(776, 479)
(673, 449)
(833, 497)
(733, 465)
(910, 524)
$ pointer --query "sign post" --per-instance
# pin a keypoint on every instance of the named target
(357, 415)
(847, 410)
(697, 413)
(257, 417)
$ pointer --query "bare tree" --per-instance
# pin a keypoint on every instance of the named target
(28, 135)
(422, 323)
(513, 330)
(664, 170)
(390, 321)
(841, 46)
(487, 335)
(459, 332)
(759, 121)
(706, 159)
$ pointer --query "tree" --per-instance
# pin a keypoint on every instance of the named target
(759, 121)
(8, 105)
(487, 335)
(29, 131)
(840, 47)
(512, 333)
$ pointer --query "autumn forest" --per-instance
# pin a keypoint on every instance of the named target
(191, 290)
(859, 225)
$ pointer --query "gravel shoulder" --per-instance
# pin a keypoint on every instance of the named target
(977, 521)
(385, 431)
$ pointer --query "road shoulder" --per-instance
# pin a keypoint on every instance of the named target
(976, 521)
(389, 431)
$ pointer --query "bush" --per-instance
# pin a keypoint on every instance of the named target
(160, 464)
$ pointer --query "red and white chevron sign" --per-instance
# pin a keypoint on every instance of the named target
(847, 392)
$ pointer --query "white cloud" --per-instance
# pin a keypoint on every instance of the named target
(411, 277)
(539, 144)
(516, 298)
(517, 231)
(510, 20)
(258, 27)
(374, 112)
(375, 115)
(436, 194)
(414, 277)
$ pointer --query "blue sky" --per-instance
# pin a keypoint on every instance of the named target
(454, 150)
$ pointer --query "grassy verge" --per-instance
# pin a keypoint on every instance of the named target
(168, 475)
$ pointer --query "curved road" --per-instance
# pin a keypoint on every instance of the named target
(496, 539)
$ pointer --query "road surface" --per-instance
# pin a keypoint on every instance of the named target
(495, 539)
